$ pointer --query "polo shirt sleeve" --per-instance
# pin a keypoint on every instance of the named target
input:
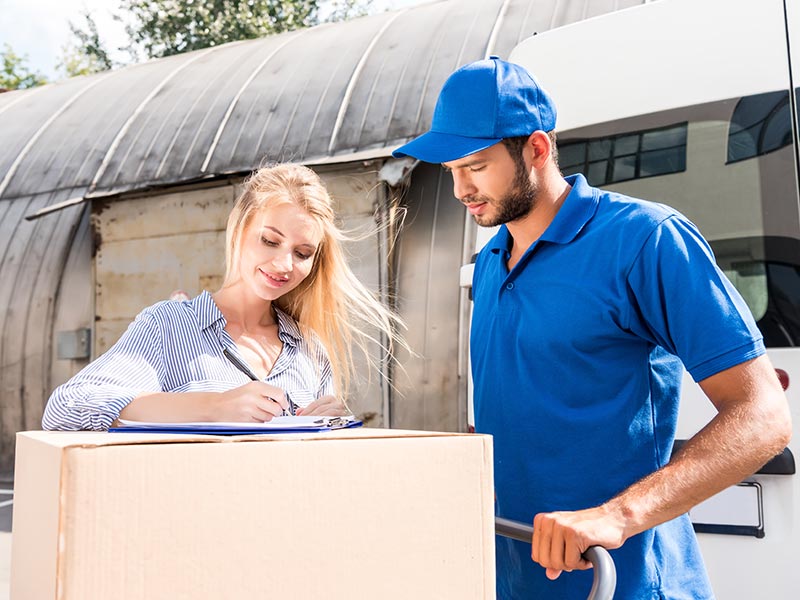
(683, 302)
(93, 398)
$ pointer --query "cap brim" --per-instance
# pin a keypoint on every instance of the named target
(435, 147)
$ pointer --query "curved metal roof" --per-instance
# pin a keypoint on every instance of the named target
(319, 94)
(336, 92)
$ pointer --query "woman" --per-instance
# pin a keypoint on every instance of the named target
(275, 339)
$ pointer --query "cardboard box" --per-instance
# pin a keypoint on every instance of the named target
(358, 513)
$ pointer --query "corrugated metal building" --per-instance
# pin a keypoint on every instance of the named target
(114, 188)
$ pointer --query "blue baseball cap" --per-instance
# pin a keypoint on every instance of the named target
(480, 104)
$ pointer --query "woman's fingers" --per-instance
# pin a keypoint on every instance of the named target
(272, 393)
(254, 401)
(270, 408)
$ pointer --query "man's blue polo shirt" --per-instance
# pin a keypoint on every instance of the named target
(576, 360)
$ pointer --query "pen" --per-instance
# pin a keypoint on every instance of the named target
(243, 368)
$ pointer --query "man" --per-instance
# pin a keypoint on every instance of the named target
(585, 304)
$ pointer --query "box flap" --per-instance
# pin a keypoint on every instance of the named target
(91, 439)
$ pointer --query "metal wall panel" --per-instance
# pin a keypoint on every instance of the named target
(71, 150)
(171, 135)
(22, 115)
(429, 259)
(290, 109)
(401, 78)
(74, 300)
(148, 247)
(32, 259)
(359, 196)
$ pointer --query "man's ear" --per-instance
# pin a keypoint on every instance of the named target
(539, 148)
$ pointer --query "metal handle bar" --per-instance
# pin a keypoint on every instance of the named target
(605, 573)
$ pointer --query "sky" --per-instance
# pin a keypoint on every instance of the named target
(39, 29)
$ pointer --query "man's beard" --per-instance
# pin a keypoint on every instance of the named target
(516, 204)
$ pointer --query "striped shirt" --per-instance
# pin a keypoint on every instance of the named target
(178, 346)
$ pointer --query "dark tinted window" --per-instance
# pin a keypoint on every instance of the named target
(766, 271)
(631, 155)
(748, 210)
(760, 123)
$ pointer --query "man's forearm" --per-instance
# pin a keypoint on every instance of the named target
(743, 436)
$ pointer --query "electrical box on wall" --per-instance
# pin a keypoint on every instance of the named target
(73, 345)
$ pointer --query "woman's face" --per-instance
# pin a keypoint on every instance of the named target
(278, 249)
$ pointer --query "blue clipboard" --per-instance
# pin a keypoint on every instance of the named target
(277, 425)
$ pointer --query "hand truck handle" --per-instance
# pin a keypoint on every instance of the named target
(605, 573)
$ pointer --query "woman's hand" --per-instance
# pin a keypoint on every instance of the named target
(324, 406)
(252, 402)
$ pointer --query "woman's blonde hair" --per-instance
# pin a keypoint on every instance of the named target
(331, 305)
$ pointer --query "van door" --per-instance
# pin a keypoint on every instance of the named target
(692, 104)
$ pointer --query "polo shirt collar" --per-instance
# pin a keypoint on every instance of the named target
(578, 208)
(209, 315)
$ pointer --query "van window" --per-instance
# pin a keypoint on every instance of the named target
(760, 123)
(729, 166)
(632, 155)
(750, 278)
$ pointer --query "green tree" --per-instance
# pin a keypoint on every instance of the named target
(85, 53)
(166, 27)
(14, 73)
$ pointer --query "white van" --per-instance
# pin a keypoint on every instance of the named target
(693, 103)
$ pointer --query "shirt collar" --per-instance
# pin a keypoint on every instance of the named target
(207, 311)
(209, 315)
(288, 330)
(579, 206)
